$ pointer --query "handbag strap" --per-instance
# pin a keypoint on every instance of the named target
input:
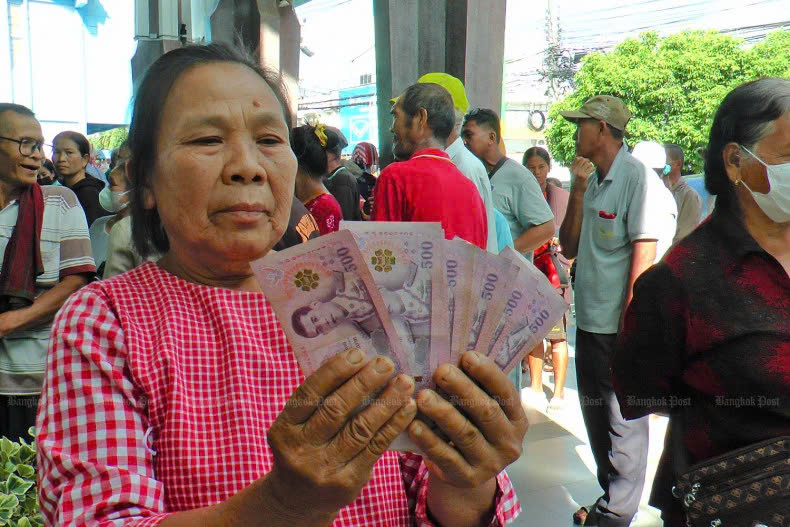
(680, 458)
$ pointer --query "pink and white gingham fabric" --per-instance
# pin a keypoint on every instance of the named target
(158, 396)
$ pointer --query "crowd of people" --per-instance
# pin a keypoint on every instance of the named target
(136, 339)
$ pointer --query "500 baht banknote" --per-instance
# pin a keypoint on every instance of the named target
(491, 277)
(327, 301)
(405, 260)
(459, 264)
(532, 307)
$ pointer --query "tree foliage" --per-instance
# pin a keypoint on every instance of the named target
(672, 85)
(109, 139)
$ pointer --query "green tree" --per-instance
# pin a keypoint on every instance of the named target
(672, 85)
(109, 139)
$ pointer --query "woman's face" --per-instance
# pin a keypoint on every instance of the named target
(44, 176)
(67, 158)
(224, 174)
(774, 149)
(540, 169)
(117, 178)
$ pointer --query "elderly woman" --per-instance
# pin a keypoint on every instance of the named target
(711, 323)
(172, 395)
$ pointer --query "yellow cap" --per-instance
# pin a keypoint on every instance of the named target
(449, 83)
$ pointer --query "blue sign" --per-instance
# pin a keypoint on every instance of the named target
(359, 116)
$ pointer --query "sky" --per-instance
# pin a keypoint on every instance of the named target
(340, 32)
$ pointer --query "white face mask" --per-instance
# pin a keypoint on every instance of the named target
(111, 201)
(776, 203)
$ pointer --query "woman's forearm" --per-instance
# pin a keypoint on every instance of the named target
(255, 506)
(457, 507)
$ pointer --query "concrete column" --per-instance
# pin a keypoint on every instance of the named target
(290, 53)
(465, 38)
(262, 27)
(6, 81)
(485, 53)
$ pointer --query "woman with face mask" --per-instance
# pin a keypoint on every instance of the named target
(706, 338)
(46, 174)
(113, 198)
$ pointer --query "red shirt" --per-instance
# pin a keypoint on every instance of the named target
(158, 398)
(429, 187)
(326, 211)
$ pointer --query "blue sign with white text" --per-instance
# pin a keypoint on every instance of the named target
(358, 116)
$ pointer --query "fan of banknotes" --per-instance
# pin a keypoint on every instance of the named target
(401, 290)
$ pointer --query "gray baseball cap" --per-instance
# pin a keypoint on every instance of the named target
(607, 108)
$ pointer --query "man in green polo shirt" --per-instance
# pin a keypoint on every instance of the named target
(611, 228)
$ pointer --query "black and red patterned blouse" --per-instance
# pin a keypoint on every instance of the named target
(708, 335)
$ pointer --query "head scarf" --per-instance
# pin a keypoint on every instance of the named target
(365, 155)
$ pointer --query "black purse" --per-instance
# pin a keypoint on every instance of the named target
(747, 487)
(562, 273)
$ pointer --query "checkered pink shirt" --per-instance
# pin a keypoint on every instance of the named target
(157, 399)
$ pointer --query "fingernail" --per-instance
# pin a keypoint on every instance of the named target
(430, 397)
(354, 356)
(449, 373)
(472, 359)
(403, 383)
(383, 365)
(416, 429)
(408, 408)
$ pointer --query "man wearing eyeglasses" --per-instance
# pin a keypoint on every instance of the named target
(46, 256)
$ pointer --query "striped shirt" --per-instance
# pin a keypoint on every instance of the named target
(65, 250)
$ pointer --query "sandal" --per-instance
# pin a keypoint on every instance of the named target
(585, 516)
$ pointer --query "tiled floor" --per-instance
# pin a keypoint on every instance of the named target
(556, 473)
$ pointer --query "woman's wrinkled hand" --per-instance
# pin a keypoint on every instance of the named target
(324, 448)
(485, 422)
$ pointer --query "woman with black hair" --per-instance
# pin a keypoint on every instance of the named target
(706, 338)
(173, 397)
(340, 182)
(308, 144)
(71, 153)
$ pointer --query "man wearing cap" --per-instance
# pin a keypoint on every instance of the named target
(340, 182)
(428, 186)
(516, 192)
(466, 161)
(611, 228)
(654, 157)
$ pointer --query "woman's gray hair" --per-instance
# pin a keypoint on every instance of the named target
(746, 116)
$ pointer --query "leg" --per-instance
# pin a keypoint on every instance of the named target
(559, 351)
(589, 368)
(535, 359)
(626, 462)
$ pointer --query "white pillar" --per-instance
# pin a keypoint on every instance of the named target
(6, 82)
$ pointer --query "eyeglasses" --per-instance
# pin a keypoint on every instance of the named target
(27, 146)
